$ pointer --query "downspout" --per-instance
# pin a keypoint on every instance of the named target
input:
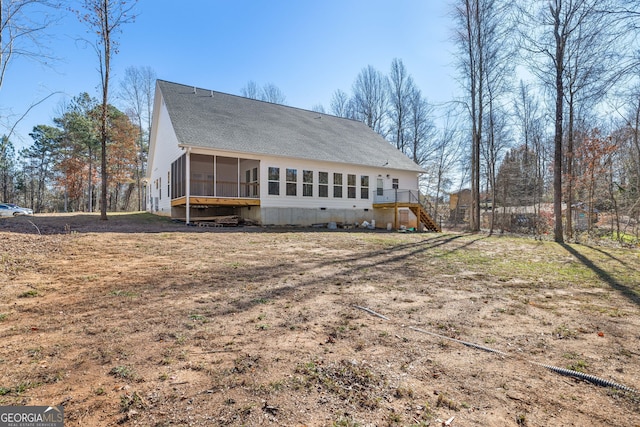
(188, 189)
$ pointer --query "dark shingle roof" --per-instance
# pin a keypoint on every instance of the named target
(233, 123)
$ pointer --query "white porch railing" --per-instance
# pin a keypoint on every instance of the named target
(223, 189)
(396, 195)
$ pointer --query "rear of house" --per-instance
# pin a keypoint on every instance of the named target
(215, 155)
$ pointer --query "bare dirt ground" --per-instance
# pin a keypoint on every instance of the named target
(140, 321)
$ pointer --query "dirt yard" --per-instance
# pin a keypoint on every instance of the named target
(140, 321)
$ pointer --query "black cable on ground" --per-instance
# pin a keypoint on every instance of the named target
(562, 371)
(592, 379)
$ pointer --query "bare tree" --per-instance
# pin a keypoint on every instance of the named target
(251, 90)
(401, 88)
(526, 110)
(529, 123)
(23, 30)
(22, 27)
(469, 39)
(370, 99)
(615, 184)
(629, 136)
(497, 141)
(624, 169)
(272, 93)
(318, 108)
(570, 44)
(482, 26)
(105, 17)
(447, 152)
(268, 93)
(340, 104)
(499, 70)
(419, 129)
(136, 90)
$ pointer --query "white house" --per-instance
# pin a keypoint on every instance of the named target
(213, 154)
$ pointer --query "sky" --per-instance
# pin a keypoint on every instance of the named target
(307, 48)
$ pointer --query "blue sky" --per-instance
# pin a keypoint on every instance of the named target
(306, 48)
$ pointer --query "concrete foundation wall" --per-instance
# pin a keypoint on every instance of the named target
(251, 213)
(307, 217)
(304, 217)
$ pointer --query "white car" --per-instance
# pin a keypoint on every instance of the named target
(9, 209)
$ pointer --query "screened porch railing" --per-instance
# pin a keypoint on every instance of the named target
(204, 188)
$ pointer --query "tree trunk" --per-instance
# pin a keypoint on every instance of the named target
(476, 76)
(570, 140)
(557, 140)
(90, 189)
(105, 99)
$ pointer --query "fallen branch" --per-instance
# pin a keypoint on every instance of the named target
(35, 227)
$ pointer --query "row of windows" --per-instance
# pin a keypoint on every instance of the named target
(324, 184)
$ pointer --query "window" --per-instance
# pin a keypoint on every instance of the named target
(351, 186)
(364, 187)
(394, 183)
(323, 184)
(307, 183)
(292, 182)
(337, 185)
(380, 189)
(274, 181)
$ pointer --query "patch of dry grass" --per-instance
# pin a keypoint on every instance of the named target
(139, 320)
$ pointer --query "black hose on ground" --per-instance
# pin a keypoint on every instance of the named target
(562, 371)
(592, 379)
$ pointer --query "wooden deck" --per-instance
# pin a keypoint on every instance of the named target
(417, 209)
(215, 201)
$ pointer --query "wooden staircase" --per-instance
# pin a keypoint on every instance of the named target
(412, 199)
(423, 217)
